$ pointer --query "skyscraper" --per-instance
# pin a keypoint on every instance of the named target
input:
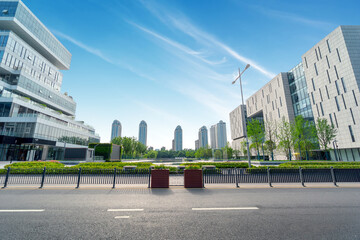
(115, 129)
(203, 137)
(218, 135)
(178, 139)
(36, 118)
(143, 132)
(196, 144)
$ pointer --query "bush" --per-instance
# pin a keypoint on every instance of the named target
(110, 165)
(319, 164)
(102, 149)
(220, 164)
(192, 166)
(37, 164)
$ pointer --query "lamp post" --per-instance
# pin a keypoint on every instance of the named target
(94, 151)
(242, 114)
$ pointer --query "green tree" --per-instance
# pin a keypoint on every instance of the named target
(304, 135)
(284, 135)
(325, 132)
(228, 151)
(256, 134)
(151, 154)
(218, 154)
(270, 135)
(243, 148)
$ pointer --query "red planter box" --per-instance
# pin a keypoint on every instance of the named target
(193, 178)
(160, 178)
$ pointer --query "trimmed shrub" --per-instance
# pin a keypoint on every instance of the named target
(37, 164)
(220, 164)
(111, 165)
(102, 149)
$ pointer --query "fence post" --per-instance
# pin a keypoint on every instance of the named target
(149, 177)
(203, 180)
(43, 178)
(269, 177)
(78, 182)
(301, 177)
(7, 178)
(333, 176)
(114, 178)
(236, 177)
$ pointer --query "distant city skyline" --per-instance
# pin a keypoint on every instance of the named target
(115, 129)
(178, 139)
(143, 132)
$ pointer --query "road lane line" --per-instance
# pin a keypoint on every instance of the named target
(122, 217)
(224, 209)
(126, 210)
(20, 210)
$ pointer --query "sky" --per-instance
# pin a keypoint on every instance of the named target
(172, 62)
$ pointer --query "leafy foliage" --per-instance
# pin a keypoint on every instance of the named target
(102, 149)
(325, 132)
(256, 134)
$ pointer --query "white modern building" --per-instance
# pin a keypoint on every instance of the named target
(218, 135)
(143, 132)
(115, 129)
(178, 139)
(37, 121)
(324, 85)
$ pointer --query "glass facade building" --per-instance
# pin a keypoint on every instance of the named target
(37, 121)
(143, 132)
(115, 129)
(178, 139)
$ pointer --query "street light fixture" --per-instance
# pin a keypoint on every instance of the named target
(242, 113)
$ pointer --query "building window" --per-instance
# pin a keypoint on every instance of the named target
(336, 121)
(327, 92)
(337, 50)
(316, 71)
(328, 75)
(337, 104)
(337, 75)
(272, 105)
(317, 108)
(262, 92)
(306, 62)
(331, 120)
(321, 95)
(312, 97)
(351, 134)
(342, 95)
(337, 87)
(355, 98)
(317, 57)
(322, 110)
(278, 82)
(327, 60)
(352, 116)
(313, 84)
(319, 52)
(279, 113)
(328, 45)
(343, 84)
(280, 102)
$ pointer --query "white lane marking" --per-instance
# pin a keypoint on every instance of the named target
(20, 210)
(122, 217)
(229, 208)
(126, 210)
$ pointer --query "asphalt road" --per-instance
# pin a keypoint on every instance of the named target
(323, 213)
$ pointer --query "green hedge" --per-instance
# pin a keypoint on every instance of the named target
(319, 164)
(220, 164)
(111, 165)
(102, 149)
(37, 164)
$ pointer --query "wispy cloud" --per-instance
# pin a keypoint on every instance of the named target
(177, 45)
(181, 22)
(293, 17)
(85, 47)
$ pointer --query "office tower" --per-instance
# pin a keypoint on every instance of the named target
(115, 129)
(197, 144)
(143, 132)
(213, 140)
(37, 120)
(203, 137)
(178, 139)
(218, 135)
(324, 85)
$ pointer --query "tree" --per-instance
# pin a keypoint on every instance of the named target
(151, 154)
(243, 147)
(304, 135)
(255, 131)
(270, 135)
(218, 154)
(228, 151)
(325, 132)
(284, 135)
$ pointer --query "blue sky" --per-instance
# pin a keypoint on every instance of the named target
(172, 62)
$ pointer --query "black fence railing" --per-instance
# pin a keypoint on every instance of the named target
(113, 177)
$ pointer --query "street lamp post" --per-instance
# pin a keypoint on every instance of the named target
(242, 114)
